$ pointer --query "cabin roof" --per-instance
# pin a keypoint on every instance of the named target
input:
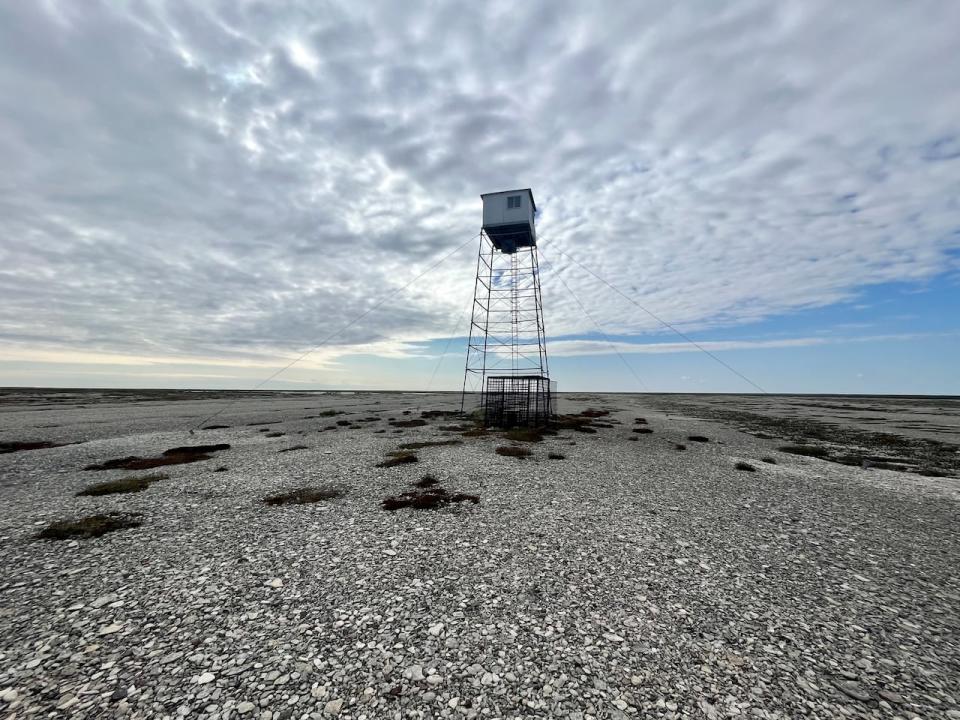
(528, 191)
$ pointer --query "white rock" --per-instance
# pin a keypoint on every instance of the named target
(9, 695)
(110, 629)
(454, 702)
(434, 679)
(275, 583)
(207, 677)
(489, 679)
(435, 630)
(245, 707)
(333, 707)
(390, 552)
(612, 637)
(414, 672)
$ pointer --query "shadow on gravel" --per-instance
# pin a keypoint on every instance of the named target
(123, 485)
(432, 498)
(292, 448)
(426, 481)
(173, 456)
(305, 496)
(12, 447)
(556, 456)
(90, 526)
(745, 467)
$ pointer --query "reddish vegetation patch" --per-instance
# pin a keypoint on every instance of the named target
(292, 448)
(11, 447)
(746, 467)
(643, 430)
(455, 428)
(275, 434)
(640, 421)
(215, 427)
(556, 456)
(429, 499)
(476, 432)
(698, 438)
(680, 446)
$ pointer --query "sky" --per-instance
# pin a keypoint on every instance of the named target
(195, 194)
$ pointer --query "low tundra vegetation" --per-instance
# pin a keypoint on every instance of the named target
(305, 496)
(20, 446)
(806, 450)
(123, 485)
(513, 451)
(89, 526)
(173, 456)
(399, 457)
(427, 499)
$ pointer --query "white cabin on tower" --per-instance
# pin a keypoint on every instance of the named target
(508, 219)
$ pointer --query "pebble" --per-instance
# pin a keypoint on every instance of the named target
(435, 630)
(855, 691)
(245, 707)
(275, 583)
(10, 695)
(207, 677)
(333, 707)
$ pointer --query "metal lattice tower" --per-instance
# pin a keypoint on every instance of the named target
(507, 374)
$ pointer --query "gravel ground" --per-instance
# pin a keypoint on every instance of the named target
(629, 579)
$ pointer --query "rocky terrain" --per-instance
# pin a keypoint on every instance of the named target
(654, 556)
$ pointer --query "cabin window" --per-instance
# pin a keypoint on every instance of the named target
(513, 201)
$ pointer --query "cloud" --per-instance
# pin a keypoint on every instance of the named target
(240, 180)
(561, 348)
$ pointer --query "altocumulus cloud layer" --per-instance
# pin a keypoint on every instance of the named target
(232, 180)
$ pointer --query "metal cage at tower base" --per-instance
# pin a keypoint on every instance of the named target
(519, 401)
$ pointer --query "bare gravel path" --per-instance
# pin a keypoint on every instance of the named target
(629, 579)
